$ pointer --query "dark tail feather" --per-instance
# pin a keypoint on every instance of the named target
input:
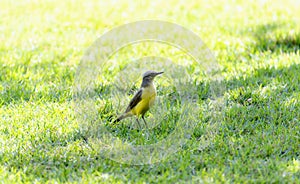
(121, 117)
(117, 120)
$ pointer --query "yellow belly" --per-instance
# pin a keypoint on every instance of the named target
(148, 97)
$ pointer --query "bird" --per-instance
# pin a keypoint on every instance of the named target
(143, 99)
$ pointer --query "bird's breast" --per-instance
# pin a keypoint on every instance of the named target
(149, 93)
(148, 97)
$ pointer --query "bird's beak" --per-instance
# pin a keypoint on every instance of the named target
(158, 73)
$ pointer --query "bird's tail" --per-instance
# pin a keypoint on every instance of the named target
(123, 116)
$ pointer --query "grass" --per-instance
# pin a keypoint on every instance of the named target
(256, 140)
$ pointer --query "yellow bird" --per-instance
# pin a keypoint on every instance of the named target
(143, 99)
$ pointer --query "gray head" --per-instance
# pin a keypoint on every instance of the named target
(149, 76)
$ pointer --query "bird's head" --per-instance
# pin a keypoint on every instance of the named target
(150, 75)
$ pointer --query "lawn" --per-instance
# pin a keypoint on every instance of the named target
(252, 135)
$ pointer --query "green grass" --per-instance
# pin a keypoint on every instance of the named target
(257, 138)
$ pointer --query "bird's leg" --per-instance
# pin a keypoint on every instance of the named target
(144, 121)
(138, 123)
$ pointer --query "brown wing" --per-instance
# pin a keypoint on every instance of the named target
(135, 100)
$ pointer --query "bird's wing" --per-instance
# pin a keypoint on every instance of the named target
(135, 100)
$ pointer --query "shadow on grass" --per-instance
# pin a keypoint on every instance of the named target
(274, 37)
(271, 94)
(256, 138)
(39, 82)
